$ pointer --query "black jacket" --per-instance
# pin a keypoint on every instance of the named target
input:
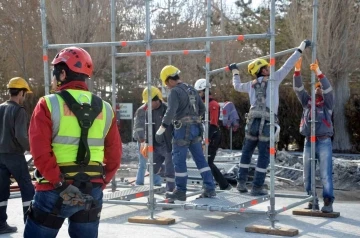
(157, 117)
(14, 124)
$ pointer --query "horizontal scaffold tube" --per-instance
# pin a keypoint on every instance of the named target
(97, 44)
(210, 38)
(161, 41)
(249, 61)
(157, 53)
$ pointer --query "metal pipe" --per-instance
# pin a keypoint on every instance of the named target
(210, 38)
(313, 58)
(113, 72)
(284, 195)
(161, 41)
(113, 52)
(279, 166)
(295, 204)
(249, 61)
(207, 77)
(149, 111)
(123, 202)
(97, 44)
(45, 46)
(158, 53)
(272, 214)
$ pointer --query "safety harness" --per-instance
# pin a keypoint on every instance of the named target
(192, 117)
(85, 113)
(259, 110)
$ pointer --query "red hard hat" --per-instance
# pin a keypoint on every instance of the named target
(77, 59)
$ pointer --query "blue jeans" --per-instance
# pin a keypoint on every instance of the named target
(323, 152)
(45, 201)
(179, 153)
(250, 143)
(142, 169)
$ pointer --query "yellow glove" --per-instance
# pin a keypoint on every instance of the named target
(144, 150)
(298, 64)
(315, 67)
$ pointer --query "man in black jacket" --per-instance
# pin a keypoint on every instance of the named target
(162, 150)
(14, 142)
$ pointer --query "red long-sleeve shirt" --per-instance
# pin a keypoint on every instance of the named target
(40, 134)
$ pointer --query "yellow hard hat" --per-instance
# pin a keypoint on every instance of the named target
(256, 65)
(19, 83)
(154, 92)
(168, 71)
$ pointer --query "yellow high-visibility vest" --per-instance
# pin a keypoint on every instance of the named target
(66, 130)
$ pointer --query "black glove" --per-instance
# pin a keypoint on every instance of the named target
(232, 66)
(159, 138)
(305, 44)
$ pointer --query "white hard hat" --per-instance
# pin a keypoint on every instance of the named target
(200, 84)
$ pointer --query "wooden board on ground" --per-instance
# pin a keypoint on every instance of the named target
(281, 231)
(148, 220)
(309, 212)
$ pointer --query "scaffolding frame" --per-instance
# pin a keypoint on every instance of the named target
(272, 212)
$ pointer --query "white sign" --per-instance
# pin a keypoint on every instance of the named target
(221, 110)
(125, 110)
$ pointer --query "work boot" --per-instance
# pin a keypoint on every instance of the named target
(241, 187)
(229, 187)
(327, 208)
(316, 205)
(208, 193)
(5, 228)
(258, 191)
(176, 195)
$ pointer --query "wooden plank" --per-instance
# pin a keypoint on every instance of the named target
(309, 212)
(281, 231)
(148, 220)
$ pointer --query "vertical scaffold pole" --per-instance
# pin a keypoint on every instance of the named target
(45, 47)
(207, 76)
(272, 212)
(313, 138)
(150, 125)
(113, 58)
(113, 70)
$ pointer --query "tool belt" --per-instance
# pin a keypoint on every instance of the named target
(187, 122)
(70, 171)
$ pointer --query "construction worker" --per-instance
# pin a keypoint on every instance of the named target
(162, 151)
(324, 103)
(14, 142)
(139, 136)
(184, 109)
(76, 148)
(257, 130)
(214, 133)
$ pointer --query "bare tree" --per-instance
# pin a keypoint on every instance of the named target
(338, 51)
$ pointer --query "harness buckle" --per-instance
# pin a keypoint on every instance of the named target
(85, 123)
(177, 125)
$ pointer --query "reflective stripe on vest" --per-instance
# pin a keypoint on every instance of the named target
(66, 129)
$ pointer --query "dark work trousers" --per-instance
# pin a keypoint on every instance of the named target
(15, 165)
(215, 139)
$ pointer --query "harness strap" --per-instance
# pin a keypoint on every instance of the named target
(47, 219)
(84, 216)
(186, 140)
(82, 169)
(85, 114)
